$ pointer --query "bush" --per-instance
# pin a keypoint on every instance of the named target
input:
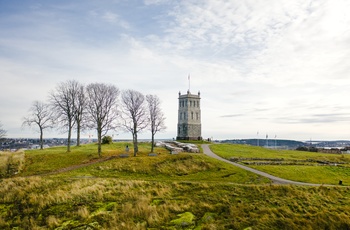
(107, 140)
(307, 149)
(302, 148)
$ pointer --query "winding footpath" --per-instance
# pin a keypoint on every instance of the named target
(274, 179)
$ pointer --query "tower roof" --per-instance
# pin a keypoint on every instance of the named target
(189, 95)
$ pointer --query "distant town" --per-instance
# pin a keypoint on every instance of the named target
(13, 144)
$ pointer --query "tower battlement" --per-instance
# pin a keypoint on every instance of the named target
(189, 125)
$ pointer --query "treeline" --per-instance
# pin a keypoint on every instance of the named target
(73, 106)
(267, 142)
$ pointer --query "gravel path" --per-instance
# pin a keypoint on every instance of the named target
(274, 179)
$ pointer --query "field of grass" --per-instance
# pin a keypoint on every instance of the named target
(52, 159)
(304, 172)
(163, 167)
(102, 203)
(183, 191)
(179, 167)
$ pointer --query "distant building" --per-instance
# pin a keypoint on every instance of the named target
(189, 125)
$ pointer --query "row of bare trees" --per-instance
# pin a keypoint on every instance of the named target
(74, 106)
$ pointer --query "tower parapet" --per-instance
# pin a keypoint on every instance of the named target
(189, 125)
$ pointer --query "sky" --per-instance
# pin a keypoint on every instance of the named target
(276, 68)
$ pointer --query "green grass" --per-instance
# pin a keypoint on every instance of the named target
(304, 173)
(52, 159)
(233, 150)
(95, 203)
(183, 191)
(179, 167)
(166, 167)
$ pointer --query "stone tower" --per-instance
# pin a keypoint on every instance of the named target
(189, 125)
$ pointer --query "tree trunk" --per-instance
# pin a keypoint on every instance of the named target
(152, 147)
(99, 149)
(41, 138)
(69, 138)
(78, 134)
(136, 148)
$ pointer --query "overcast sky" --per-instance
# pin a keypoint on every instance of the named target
(276, 67)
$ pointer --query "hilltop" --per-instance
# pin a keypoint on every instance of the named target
(179, 191)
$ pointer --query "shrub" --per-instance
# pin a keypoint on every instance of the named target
(307, 149)
(302, 148)
(107, 140)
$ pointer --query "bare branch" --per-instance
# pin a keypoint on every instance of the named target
(134, 114)
(102, 108)
(41, 115)
(156, 116)
(63, 103)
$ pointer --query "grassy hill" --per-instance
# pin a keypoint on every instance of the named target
(59, 190)
(311, 167)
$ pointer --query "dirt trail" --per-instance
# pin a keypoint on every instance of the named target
(73, 167)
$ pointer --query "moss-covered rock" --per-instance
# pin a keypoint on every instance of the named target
(184, 221)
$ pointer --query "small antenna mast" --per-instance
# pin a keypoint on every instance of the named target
(189, 82)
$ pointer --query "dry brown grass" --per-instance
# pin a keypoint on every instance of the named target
(52, 221)
(72, 201)
(118, 204)
(11, 163)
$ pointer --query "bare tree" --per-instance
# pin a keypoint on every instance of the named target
(156, 116)
(2, 131)
(134, 114)
(40, 114)
(102, 109)
(80, 107)
(63, 104)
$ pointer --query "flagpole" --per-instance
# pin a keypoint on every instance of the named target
(189, 83)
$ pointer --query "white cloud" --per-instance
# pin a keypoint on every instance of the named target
(115, 19)
(156, 2)
(275, 67)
